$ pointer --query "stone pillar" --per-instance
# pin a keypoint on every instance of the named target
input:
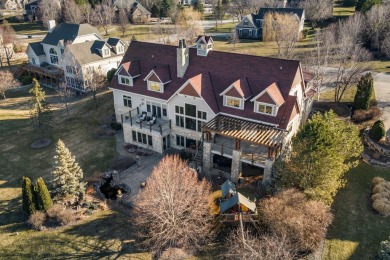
(267, 169)
(207, 158)
(236, 166)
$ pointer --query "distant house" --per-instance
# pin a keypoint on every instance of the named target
(137, 12)
(12, 4)
(251, 26)
(87, 52)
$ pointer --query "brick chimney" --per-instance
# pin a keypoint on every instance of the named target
(182, 58)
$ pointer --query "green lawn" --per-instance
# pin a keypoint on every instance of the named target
(107, 234)
(222, 28)
(28, 28)
(357, 229)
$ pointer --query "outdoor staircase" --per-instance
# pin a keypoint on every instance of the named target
(19, 71)
(199, 153)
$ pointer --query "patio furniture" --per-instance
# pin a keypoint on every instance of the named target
(141, 118)
(153, 120)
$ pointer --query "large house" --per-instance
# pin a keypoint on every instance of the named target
(251, 26)
(242, 108)
(71, 53)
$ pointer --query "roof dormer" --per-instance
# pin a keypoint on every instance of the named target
(103, 48)
(236, 94)
(127, 72)
(117, 45)
(268, 101)
(158, 78)
(204, 44)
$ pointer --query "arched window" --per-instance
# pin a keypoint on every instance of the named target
(53, 56)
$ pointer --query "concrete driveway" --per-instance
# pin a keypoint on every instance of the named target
(382, 95)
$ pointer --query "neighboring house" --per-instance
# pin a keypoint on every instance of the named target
(12, 4)
(251, 26)
(31, 8)
(74, 51)
(191, 2)
(137, 12)
(243, 108)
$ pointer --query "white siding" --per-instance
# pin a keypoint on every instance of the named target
(181, 100)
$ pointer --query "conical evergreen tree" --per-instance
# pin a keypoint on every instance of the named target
(67, 174)
(364, 92)
(29, 202)
(44, 200)
(40, 110)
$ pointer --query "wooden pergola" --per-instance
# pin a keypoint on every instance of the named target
(243, 130)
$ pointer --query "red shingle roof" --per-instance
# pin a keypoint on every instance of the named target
(218, 70)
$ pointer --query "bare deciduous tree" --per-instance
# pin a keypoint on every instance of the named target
(7, 40)
(96, 80)
(104, 15)
(172, 211)
(188, 24)
(321, 57)
(386, 45)
(72, 12)
(239, 8)
(303, 222)
(349, 56)
(317, 10)
(247, 246)
(377, 24)
(7, 82)
(283, 29)
(123, 22)
(49, 10)
(87, 12)
(233, 38)
(65, 92)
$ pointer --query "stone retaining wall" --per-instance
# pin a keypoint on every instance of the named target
(372, 145)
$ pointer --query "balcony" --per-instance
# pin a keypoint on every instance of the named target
(254, 154)
(161, 126)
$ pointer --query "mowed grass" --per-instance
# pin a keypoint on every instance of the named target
(357, 229)
(27, 28)
(107, 234)
(142, 32)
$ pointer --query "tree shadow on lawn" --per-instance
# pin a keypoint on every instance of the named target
(116, 226)
(354, 218)
(11, 212)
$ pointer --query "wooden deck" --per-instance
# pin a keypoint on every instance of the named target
(250, 153)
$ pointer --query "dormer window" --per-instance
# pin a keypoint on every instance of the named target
(123, 80)
(120, 49)
(267, 109)
(154, 86)
(106, 52)
(233, 102)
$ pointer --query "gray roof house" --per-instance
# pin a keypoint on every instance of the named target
(67, 46)
(251, 26)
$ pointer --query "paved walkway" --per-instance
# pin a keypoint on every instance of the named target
(136, 174)
(382, 93)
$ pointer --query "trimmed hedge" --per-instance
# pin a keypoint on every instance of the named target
(378, 130)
